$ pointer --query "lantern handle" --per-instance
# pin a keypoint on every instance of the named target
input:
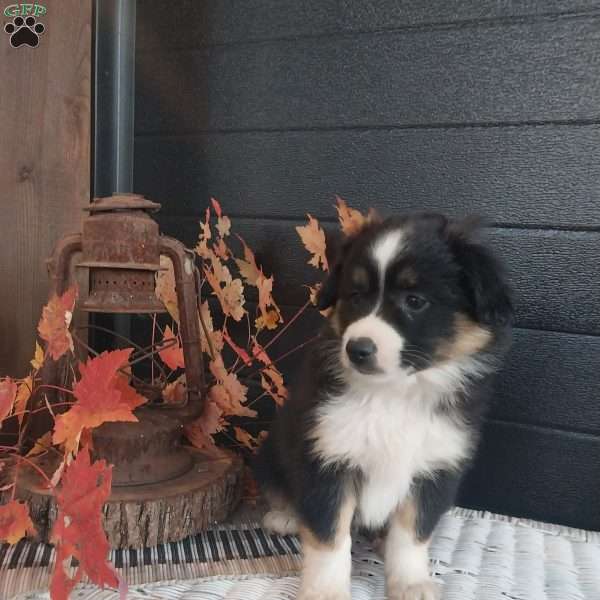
(185, 288)
(59, 263)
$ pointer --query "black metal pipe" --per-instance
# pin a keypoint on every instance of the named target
(114, 108)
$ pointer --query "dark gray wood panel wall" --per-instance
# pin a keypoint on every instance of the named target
(275, 106)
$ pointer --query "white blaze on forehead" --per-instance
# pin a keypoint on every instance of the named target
(388, 341)
(386, 248)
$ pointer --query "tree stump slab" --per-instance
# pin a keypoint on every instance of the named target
(146, 515)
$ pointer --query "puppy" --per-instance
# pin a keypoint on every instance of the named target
(388, 408)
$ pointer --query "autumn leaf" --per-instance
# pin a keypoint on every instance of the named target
(103, 394)
(165, 287)
(216, 206)
(217, 368)
(223, 222)
(270, 320)
(78, 530)
(231, 295)
(55, 322)
(351, 220)
(176, 391)
(42, 444)
(247, 266)
(8, 394)
(250, 442)
(15, 522)
(237, 349)
(171, 352)
(221, 250)
(272, 382)
(38, 359)
(216, 337)
(313, 238)
(313, 293)
(260, 353)
(229, 395)
(200, 431)
(266, 301)
(202, 248)
(23, 395)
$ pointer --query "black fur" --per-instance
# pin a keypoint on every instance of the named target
(433, 496)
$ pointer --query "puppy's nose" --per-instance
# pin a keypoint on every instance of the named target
(361, 350)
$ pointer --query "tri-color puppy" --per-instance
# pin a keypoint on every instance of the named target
(386, 415)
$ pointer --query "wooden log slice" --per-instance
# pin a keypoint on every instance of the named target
(136, 516)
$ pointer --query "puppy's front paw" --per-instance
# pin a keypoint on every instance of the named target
(281, 522)
(320, 595)
(426, 590)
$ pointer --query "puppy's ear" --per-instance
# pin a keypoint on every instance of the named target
(483, 276)
(335, 249)
(328, 294)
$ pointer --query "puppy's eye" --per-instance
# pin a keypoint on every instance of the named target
(355, 298)
(415, 303)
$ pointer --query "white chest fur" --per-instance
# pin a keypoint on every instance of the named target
(391, 435)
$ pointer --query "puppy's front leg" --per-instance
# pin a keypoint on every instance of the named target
(327, 563)
(406, 558)
(410, 529)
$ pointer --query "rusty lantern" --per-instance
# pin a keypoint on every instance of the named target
(121, 247)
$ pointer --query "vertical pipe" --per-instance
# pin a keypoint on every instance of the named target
(114, 104)
(114, 96)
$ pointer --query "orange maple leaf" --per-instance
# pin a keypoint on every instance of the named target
(237, 349)
(171, 353)
(231, 296)
(221, 250)
(103, 394)
(15, 522)
(216, 337)
(270, 316)
(78, 528)
(223, 222)
(38, 359)
(216, 206)
(165, 287)
(252, 443)
(42, 444)
(176, 391)
(260, 353)
(272, 382)
(313, 238)
(270, 320)
(351, 220)
(229, 394)
(23, 395)
(55, 322)
(8, 394)
(202, 248)
(201, 430)
(247, 266)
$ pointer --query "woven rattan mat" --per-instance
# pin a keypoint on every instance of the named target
(475, 556)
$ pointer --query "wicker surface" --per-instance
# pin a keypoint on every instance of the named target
(475, 556)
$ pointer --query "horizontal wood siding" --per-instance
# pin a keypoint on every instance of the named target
(275, 106)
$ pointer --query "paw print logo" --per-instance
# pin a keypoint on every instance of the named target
(24, 32)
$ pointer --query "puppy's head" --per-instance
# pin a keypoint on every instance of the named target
(412, 293)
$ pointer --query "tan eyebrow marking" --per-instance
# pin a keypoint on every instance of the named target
(360, 277)
(407, 277)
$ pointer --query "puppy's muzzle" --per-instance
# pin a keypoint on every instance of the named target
(362, 353)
